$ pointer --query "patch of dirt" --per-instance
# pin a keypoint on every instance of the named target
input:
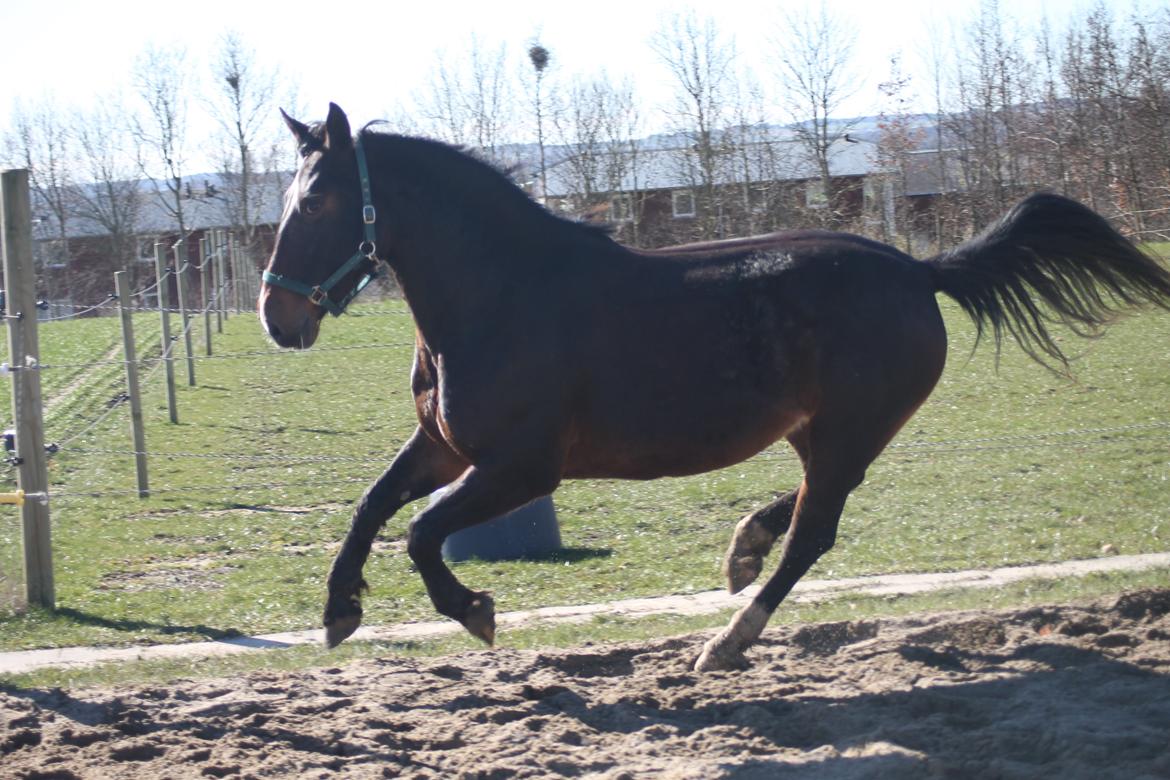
(379, 547)
(194, 573)
(1078, 691)
(250, 511)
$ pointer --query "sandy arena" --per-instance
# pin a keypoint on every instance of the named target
(1071, 691)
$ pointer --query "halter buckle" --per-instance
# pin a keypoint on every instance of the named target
(318, 296)
(368, 214)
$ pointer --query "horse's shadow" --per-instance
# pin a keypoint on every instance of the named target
(123, 624)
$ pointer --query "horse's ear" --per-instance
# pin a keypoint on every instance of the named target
(300, 130)
(337, 133)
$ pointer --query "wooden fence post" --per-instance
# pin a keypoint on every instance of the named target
(204, 287)
(161, 272)
(21, 311)
(137, 432)
(181, 285)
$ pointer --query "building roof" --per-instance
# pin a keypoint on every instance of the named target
(775, 154)
(205, 206)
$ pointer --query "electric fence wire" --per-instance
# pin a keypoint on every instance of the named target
(119, 402)
(295, 354)
(1037, 440)
(380, 460)
(79, 313)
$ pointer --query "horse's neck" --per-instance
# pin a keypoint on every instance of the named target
(450, 294)
(457, 287)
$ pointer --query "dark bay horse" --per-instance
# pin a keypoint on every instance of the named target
(545, 350)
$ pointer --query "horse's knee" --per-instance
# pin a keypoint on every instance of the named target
(421, 539)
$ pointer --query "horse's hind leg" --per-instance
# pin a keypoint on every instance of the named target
(421, 467)
(840, 449)
(753, 540)
(811, 534)
(755, 534)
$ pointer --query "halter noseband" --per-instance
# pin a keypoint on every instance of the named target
(367, 250)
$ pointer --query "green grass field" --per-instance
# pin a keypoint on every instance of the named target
(1006, 466)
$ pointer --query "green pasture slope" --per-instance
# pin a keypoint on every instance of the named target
(1007, 466)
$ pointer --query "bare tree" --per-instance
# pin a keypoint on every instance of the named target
(160, 81)
(111, 198)
(939, 170)
(540, 58)
(599, 128)
(900, 136)
(581, 130)
(814, 53)
(701, 60)
(761, 160)
(470, 99)
(244, 105)
(40, 141)
(1149, 64)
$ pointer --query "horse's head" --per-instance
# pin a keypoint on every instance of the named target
(324, 249)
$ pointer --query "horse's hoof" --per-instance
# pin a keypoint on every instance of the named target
(480, 618)
(719, 656)
(750, 543)
(339, 629)
(742, 572)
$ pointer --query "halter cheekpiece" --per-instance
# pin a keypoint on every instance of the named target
(367, 251)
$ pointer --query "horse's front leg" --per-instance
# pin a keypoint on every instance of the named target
(478, 496)
(421, 467)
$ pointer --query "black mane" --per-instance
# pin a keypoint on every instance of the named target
(459, 176)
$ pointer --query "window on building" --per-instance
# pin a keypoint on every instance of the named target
(815, 196)
(682, 203)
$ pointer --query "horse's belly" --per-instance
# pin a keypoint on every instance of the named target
(661, 444)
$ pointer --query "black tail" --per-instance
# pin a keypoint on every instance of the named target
(1049, 260)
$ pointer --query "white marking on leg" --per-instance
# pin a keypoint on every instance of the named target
(725, 651)
(745, 557)
(751, 536)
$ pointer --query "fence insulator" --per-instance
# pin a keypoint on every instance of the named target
(18, 497)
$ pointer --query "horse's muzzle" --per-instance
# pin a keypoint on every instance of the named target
(289, 319)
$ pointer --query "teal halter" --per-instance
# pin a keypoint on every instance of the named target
(367, 250)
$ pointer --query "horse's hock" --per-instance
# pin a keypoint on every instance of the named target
(527, 532)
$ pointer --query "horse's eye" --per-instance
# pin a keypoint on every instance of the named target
(312, 205)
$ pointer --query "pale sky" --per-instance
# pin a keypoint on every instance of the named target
(370, 56)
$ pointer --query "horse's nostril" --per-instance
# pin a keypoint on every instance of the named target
(274, 332)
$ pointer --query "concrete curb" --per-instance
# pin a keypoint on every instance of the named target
(694, 604)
